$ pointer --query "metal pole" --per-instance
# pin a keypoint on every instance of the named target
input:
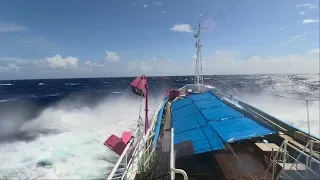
(273, 167)
(311, 152)
(126, 166)
(138, 142)
(307, 162)
(284, 154)
(125, 151)
(307, 105)
(172, 165)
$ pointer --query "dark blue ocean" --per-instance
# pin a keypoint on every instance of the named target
(55, 128)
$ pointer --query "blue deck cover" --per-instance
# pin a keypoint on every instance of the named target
(204, 123)
(159, 120)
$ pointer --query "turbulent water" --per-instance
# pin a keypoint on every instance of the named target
(56, 128)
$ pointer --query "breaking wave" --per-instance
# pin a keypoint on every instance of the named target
(65, 140)
(291, 111)
(71, 84)
(6, 84)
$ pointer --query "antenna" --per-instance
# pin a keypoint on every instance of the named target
(198, 71)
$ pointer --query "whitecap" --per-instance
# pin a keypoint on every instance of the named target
(71, 84)
(57, 94)
(8, 84)
(4, 100)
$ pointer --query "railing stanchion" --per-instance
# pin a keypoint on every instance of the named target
(311, 152)
(284, 154)
(172, 160)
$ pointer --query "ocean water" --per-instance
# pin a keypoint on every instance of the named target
(55, 128)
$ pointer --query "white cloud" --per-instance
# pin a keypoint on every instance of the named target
(112, 56)
(309, 6)
(57, 62)
(229, 63)
(12, 66)
(182, 28)
(139, 66)
(302, 13)
(298, 37)
(162, 12)
(308, 21)
(315, 51)
(226, 63)
(9, 67)
(158, 3)
(91, 64)
(11, 27)
(51, 67)
(155, 67)
(284, 29)
(144, 5)
(221, 62)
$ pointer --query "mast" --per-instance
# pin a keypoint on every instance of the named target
(198, 71)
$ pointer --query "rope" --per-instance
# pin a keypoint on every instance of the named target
(238, 158)
(208, 11)
(192, 102)
(219, 11)
(139, 118)
(228, 11)
(214, 19)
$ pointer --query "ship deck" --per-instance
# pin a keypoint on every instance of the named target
(233, 144)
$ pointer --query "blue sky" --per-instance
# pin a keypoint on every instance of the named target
(77, 38)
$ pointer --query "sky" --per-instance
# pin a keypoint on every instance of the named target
(108, 38)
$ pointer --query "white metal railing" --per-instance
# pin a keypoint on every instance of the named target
(172, 160)
(309, 158)
(139, 150)
(296, 164)
(124, 154)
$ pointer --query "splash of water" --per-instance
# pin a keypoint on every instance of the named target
(292, 111)
(76, 148)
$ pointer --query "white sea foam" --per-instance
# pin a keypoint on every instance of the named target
(6, 84)
(77, 152)
(56, 94)
(71, 84)
(4, 100)
(291, 111)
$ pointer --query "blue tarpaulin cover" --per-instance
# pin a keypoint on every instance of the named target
(206, 122)
(159, 120)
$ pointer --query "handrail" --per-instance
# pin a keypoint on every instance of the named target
(140, 141)
(119, 160)
(149, 157)
(125, 151)
(303, 153)
(307, 164)
(172, 159)
(274, 160)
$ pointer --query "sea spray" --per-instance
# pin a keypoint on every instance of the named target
(76, 150)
